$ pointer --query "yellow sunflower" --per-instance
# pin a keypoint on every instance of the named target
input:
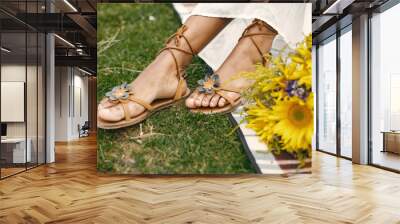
(280, 116)
(259, 122)
(294, 122)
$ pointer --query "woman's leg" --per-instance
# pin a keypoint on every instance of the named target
(242, 58)
(158, 80)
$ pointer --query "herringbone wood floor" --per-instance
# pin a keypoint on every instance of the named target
(70, 191)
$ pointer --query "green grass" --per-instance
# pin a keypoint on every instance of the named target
(176, 141)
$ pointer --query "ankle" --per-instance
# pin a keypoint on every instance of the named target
(250, 51)
(247, 53)
(264, 42)
(165, 68)
(183, 58)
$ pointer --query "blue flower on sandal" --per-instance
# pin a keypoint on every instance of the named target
(209, 84)
(120, 92)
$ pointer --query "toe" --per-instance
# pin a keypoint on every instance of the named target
(134, 109)
(190, 102)
(221, 102)
(199, 100)
(111, 114)
(105, 103)
(117, 112)
(231, 95)
(206, 100)
(214, 100)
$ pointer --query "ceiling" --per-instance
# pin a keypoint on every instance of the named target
(74, 22)
(331, 15)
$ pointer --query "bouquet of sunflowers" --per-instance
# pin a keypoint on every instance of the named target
(282, 112)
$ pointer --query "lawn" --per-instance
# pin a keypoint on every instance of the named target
(172, 141)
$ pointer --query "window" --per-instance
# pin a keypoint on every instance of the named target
(385, 89)
(327, 96)
(346, 92)
(22, 77)
(334, 106)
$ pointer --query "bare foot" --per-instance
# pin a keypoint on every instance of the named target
(242, 58)
(159, 80)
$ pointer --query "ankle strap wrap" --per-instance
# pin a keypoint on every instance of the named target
(258, 23)
(178, 35)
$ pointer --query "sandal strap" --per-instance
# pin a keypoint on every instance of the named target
(181, 78)
(257, 22)
(222, 94)
(130, 98)
(230, 89)
(256, 45)
(141, 102)
(176, 48)
(179, 35)
(124, 104)
(126, 111)
(180, 88)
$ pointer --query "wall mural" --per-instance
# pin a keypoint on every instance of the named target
(229, 92)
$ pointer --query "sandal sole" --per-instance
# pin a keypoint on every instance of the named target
(141, 117)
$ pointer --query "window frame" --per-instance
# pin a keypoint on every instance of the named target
(334, 37)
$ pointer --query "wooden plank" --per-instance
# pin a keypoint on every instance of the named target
(72, 191)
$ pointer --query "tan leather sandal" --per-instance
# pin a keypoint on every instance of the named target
(211, 83)
(123, 94)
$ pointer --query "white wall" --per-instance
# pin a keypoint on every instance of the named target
(70, 83)
(61, 103)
